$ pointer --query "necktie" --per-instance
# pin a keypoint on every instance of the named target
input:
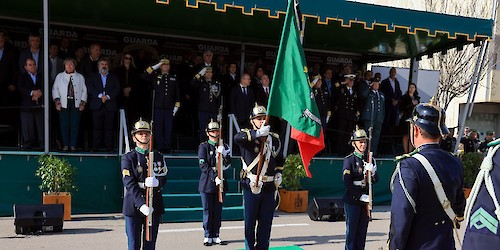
(244, 90)
(350, 91)
(71, 90)
(267, 91)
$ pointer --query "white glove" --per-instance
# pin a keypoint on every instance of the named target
(175, 110)
(263, 131)
(278, 179)
(370, 167)
(222, 150)
(202, 71)
(146, 210)
(151, 182)
(217, 181)
(364, 198)
(256, 189)
(327, 118)
(156, 66)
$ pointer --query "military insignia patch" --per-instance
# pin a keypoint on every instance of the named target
(347, 171)
(360, 170)
(125, 172)
(337, 84)
(482, 219)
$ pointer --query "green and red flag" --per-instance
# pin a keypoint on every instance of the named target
(291, 96)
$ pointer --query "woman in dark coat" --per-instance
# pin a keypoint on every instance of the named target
(408, 102)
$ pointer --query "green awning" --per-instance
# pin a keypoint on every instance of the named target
(378, 33)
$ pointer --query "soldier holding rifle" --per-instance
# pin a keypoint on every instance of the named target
(213, 157)
(135, 165)
(356, 196)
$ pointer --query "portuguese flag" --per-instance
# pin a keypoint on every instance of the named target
(291, 97)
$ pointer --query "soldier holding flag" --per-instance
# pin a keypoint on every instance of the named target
(259, 188)
(356, 192)
(209, 182)
(134, 168)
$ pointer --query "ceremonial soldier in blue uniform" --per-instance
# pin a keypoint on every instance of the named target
(209, 98)
(134, 175)
(166, 102)
(427, 200)
(356, 191)
(482, 212)
(209, 182)
(259, 195)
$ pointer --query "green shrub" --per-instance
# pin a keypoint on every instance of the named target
(57, 174)
(293, 172)
(471, 163)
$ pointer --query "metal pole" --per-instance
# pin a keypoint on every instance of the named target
(478, 78)
(46, 74)
(461, 123)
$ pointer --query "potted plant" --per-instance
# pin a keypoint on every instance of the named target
(57, 176)
(292, 197)
(472, 163)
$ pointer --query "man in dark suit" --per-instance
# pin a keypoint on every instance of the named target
(241, 100)
(392, 92)
(88, 65)
(30, 85)
(56, 64)
(103, 89)
(230, 79)
(33, 52)
(262, 92)
(8, 93)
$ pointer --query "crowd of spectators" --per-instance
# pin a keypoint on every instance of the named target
(86, 91)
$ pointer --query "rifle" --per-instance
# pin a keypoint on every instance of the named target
(368, 176)
(149, 190)
(220, 159)
(261, 158)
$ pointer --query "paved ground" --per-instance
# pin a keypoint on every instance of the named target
(108, 232)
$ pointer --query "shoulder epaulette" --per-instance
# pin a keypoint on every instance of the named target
(244, 130)
(404, 156)
(494, 143)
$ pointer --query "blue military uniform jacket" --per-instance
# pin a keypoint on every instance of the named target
(345, 104)
(428, 226)
(207, 159)
(250, 147)
(209, 94)
(134, 171)
(352, 173)
(167, 90)
(482, 230)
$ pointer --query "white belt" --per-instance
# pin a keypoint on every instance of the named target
(263, 178)
(359, 183)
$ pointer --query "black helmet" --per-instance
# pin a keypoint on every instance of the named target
(430, 117)
(258, 111)
(212, 126)
(141, 126)
(358, 135)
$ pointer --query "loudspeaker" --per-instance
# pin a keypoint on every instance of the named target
(326, 208)
(38, 218)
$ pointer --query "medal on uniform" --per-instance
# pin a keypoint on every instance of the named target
(360, 170)
(256, 150)
(139, 169)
